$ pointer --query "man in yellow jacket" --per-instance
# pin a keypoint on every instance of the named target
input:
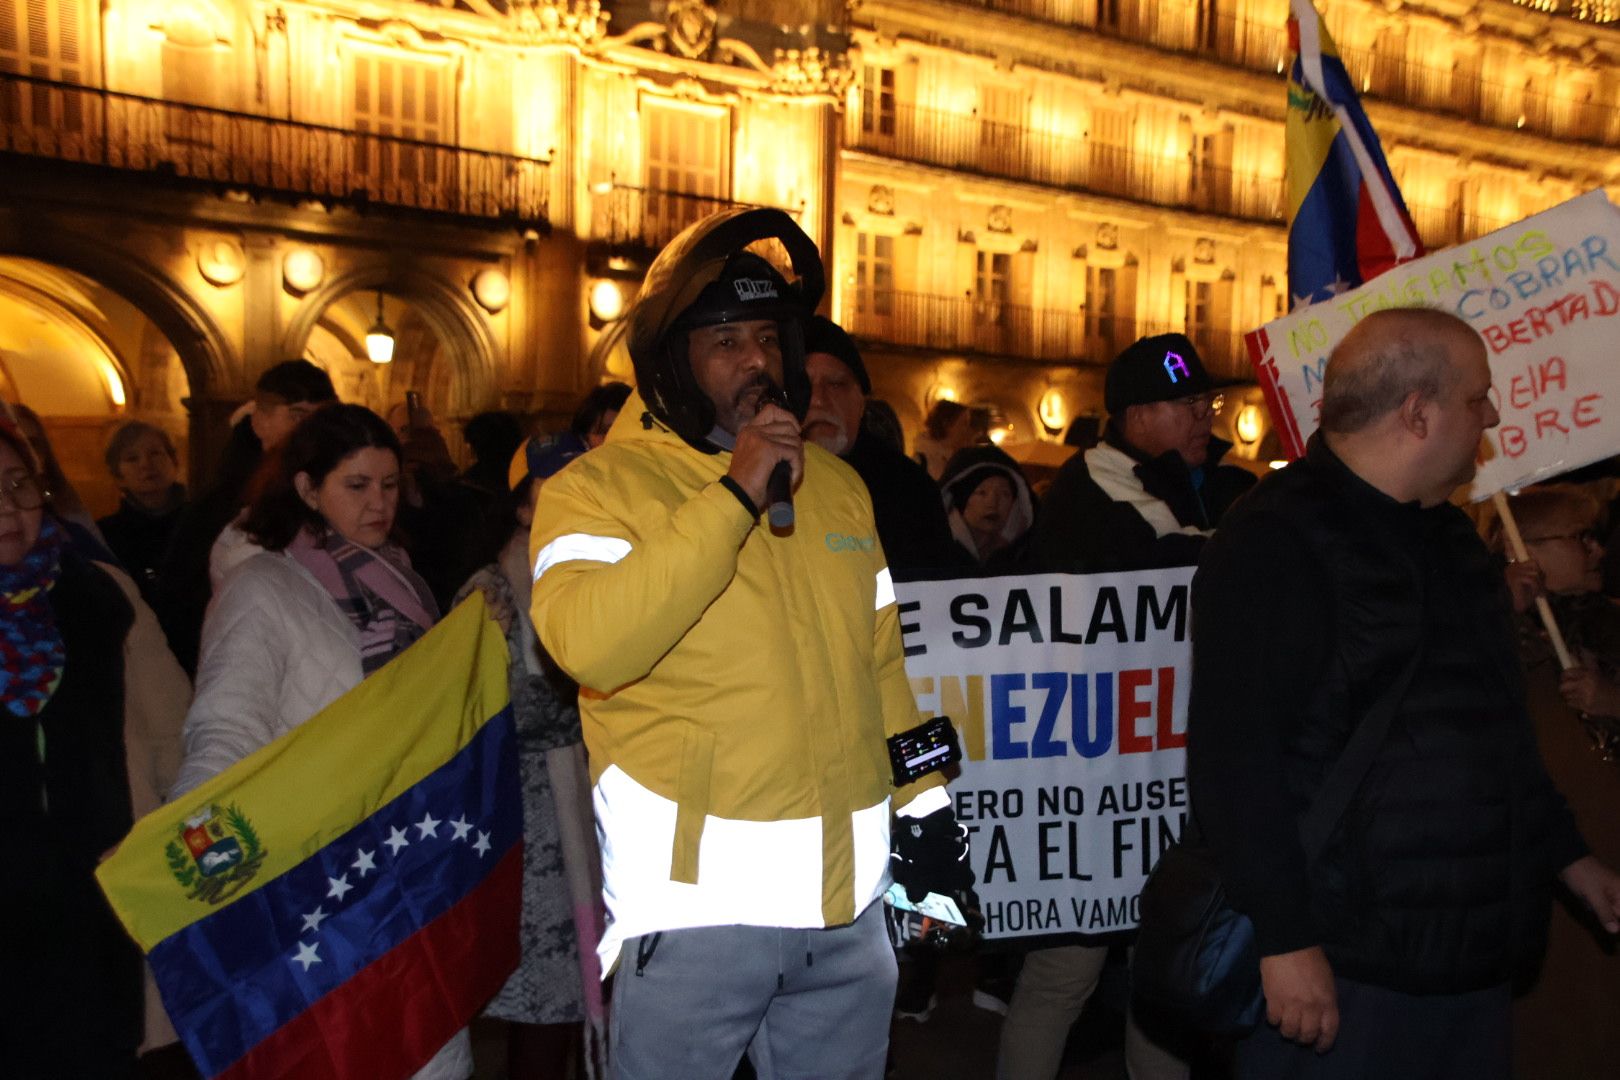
(738, 685)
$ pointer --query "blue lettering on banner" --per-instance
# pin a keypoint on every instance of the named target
(1094, 719)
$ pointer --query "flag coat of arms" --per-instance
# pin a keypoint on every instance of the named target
(341, 902)
(1347, 222)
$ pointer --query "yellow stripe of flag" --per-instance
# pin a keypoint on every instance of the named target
(332, 772)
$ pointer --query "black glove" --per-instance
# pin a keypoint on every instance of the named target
(930, 854)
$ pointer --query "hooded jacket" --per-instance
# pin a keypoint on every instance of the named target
(963, 474)
(736, 686)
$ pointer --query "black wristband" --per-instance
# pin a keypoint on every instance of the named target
(742, 496)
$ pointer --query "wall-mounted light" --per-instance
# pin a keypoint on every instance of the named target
(1053, 410)
(303, 270)
(1247, 424)
(607, 300)
(380, 339)
(221, 262)
(492, 289)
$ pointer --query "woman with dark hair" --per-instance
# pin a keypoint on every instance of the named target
(89, 740)
(597, 413)
(328, 601)
(142, 461)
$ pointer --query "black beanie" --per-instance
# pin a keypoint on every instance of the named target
(822, 335)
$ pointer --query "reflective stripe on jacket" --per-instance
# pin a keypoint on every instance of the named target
(737, 686)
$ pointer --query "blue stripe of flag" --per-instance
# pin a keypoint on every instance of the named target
(231, 979)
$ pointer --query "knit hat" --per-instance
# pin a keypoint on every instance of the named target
(822, 335)
(1164, 367)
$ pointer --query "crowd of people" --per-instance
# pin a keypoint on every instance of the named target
(710, 814)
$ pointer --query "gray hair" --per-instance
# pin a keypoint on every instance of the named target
(1386, 358)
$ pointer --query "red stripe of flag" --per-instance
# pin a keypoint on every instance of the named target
(392, 1016)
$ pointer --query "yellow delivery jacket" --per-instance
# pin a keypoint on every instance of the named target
(737, 686)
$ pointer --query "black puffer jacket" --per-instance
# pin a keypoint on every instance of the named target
(1437, 878)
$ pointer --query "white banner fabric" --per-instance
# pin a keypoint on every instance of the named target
(1069, 693)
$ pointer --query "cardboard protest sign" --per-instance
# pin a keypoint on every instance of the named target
(1069, 693)
(1543, 294)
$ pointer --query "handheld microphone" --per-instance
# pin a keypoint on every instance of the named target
(779, 496)
(779, 488)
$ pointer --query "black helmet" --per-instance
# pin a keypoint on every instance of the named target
(703, 277)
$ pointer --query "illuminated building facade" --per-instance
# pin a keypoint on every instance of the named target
(1008, 190)
(1025, 182)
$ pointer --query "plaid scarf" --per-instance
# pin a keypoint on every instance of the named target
(387, 601)
(32, 654)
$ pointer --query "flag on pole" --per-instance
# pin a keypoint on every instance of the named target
(1347, 222)
(343, 901)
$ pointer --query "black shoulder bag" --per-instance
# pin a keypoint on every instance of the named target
(1196, 961)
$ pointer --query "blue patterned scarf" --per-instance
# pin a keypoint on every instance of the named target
(32, 653)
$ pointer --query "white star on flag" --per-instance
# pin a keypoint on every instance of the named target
(483, 845)
(1304, 301)
(364, 861)
(429, 825)
(306, 954)
(396, 840)
(462, 827)
(339, 886)
(313, 920)
(1338, 285)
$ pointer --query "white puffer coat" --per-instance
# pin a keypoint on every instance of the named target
(276, 650)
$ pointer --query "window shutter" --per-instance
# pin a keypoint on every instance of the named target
(8, 35)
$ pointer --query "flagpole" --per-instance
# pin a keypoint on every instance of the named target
(1521, 554)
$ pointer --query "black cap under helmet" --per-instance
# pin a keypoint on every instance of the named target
(705, 276)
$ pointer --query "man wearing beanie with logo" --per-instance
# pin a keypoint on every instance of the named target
(738, 685)
(911, 522)
(1151, 493)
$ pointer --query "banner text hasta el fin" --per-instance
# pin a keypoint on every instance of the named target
(1070, 696)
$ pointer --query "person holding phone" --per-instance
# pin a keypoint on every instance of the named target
(738, 686)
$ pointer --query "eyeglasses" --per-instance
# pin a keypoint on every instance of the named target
(23, 493)
(1586, 538)
(1202, 405)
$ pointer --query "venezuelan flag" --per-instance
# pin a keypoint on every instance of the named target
(341, 902)
(1347, 222)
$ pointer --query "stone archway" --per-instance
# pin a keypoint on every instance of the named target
(211, 361)
(448, 311)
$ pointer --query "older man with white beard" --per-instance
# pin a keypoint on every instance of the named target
(910, 513)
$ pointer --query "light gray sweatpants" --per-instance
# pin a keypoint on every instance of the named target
(803, 1004)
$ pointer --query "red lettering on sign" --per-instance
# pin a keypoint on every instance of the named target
(1132, 709)
(1512, 440)
(1547, 420)
(1168, 739)
(1585, 411)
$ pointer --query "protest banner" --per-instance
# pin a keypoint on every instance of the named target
(1542, 294)
(1069, 693)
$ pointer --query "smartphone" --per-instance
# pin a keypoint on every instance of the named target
(926, 748)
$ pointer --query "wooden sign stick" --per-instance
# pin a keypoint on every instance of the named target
(1521, 554)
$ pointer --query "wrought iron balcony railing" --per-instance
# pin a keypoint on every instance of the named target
(88, 126)
(1459, 89)
(968, 324)
(967, 142)
(645, 219)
